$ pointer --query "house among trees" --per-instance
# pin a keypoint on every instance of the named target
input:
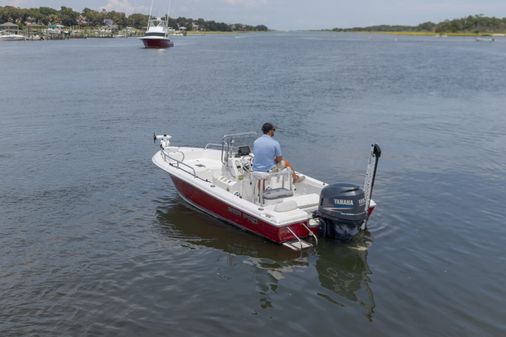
(9, 27)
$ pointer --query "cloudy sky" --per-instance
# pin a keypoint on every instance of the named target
(294, 14)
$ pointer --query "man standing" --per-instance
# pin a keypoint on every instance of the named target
(268, 155)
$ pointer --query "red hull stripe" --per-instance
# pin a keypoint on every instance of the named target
(224, 211)
(157, 43)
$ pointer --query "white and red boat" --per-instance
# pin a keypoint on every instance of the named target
(157, 33)
(218, 180)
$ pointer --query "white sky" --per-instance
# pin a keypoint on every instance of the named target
(294, 14)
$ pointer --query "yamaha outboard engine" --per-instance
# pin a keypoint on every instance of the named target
(341, 211)
(344, 208)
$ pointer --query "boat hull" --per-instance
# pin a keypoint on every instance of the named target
(12, 38)
(224, 211)
(157, 43)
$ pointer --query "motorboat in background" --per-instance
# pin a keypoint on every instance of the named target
(484, 39)
(10, 32)
(10, 36)
(157, 33)
(218, 179)
(176, 32)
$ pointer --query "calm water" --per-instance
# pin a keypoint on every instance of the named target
(94, 240)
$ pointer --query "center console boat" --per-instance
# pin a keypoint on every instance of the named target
(218, 179)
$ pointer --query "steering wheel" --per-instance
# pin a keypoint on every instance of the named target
(246, 162)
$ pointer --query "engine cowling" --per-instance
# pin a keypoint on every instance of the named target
(341, 211)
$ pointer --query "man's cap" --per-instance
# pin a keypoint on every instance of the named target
(268, 127)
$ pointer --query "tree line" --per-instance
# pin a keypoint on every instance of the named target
(88, 17)
(475, 24)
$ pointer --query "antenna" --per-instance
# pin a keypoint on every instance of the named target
(168, 13)
(150, 10)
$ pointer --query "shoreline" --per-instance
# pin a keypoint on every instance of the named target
(69, 36)
(444, 34)
(407, 33)
(216, 32)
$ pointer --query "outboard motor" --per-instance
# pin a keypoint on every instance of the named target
(341, 211)
(344, 208)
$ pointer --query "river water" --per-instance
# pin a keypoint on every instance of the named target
(94, 240)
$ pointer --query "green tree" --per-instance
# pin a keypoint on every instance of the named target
(426, 27)
(68, 16)
(139, 21)
(93, 17)
(53, 19)
(118, 18)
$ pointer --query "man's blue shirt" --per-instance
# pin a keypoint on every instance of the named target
(265, 149)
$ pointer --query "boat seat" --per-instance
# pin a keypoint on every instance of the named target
(262, 180)
(276, 193)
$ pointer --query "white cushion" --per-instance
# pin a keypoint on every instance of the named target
(286, 206)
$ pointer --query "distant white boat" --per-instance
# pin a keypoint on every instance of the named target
(55, 29)
(484, 39)
(10, 32)
(9, 36)
(175, 32)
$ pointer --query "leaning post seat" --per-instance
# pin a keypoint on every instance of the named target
(265, 187)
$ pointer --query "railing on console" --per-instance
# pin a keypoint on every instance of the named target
(232, 142)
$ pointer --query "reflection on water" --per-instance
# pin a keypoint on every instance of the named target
(184, 222)
(340, 268)
(344, 270)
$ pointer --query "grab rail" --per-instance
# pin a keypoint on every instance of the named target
(293, 233)
(166, 155)
(310, 232)
(213, 144)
